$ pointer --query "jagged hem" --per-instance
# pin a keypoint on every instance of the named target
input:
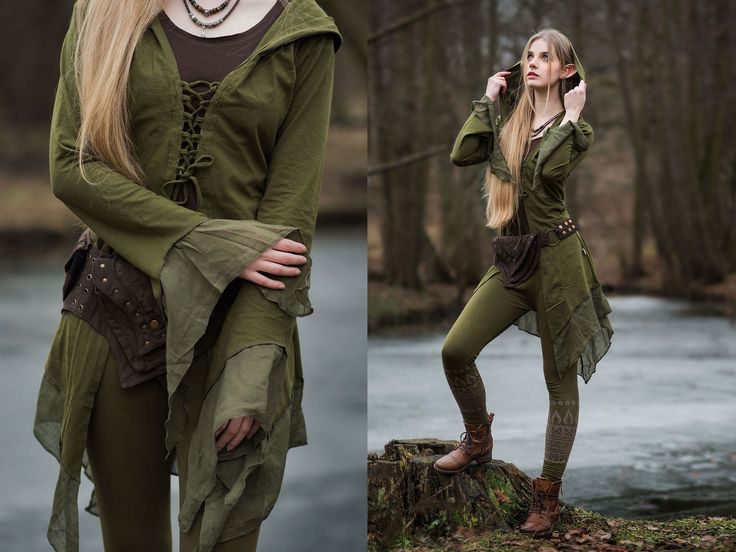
(201, 265)
(584, 339)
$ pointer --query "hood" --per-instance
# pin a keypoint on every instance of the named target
(299, 19)
(508, 98)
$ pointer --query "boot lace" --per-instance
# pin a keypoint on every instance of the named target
(466, 442)
(537, 505)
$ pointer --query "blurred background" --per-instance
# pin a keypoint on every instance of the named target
(655, 199)
(323, 497)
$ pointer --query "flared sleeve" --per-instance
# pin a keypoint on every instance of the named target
(474, 142)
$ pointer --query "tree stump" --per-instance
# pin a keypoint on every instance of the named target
(407, 496)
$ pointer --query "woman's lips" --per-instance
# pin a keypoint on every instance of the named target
(532, 75)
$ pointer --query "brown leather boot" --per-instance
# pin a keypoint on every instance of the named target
(544, 511)
(476, 444)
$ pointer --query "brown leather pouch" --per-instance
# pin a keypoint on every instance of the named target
(517, 257)
(117, 299)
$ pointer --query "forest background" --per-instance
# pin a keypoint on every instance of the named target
(656, 196)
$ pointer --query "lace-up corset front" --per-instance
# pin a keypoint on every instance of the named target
(203, 63)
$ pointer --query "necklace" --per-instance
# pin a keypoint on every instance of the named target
(205, 11)
(539, 129)
(208, 25)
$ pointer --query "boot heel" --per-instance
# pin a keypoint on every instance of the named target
(484, 459)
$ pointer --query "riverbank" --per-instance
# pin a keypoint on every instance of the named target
(412, 507)
(393, 310)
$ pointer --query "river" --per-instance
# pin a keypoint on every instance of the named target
(657, 426)
(322, 505)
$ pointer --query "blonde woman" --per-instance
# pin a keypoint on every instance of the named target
(188, 137)
(543, 279)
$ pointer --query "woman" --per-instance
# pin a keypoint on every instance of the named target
(543, 279)
(195, 163)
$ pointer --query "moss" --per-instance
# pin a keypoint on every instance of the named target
(513, 511)
(380, 502)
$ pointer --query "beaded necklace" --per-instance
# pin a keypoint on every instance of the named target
(208, 24)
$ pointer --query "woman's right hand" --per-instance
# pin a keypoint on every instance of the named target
(496, 83)
(278, 260)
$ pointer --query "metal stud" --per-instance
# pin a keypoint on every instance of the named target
(127, 303)
(564, 231)
(115, 290)
(560, 226)
(146, 342)
(89, 276)
(102, 265)
(86, 290)
(80, 307)
(104, 280)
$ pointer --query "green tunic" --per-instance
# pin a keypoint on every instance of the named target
(576, 308)
(256, 166)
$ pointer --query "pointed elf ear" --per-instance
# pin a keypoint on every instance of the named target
(569, 70)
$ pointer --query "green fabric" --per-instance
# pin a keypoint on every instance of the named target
(491, 309)
(575, 306)
(258, 169)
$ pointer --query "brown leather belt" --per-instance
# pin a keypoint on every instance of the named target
(563, 230)
(117, 300)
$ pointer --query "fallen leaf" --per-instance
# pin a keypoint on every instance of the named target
(501, 496)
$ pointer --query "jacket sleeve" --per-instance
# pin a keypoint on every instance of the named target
(136, 222)
(474, 142)
(570, 143)
(296, 164)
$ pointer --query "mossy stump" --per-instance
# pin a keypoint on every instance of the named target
(408, 497)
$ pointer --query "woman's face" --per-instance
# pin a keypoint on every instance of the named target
(540, 69)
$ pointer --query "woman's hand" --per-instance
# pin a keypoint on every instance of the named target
(574, 101)
(277, 260)
(232, 432)
(496, 83)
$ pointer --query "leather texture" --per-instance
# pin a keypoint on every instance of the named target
(117, 300)
(544, 510)
(475, 444)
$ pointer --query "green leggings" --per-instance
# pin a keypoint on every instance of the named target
(491, 309)
(126, 450)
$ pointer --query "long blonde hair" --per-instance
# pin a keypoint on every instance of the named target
(503, 196)
(108, 33)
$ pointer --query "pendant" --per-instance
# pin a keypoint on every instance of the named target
(203, 29)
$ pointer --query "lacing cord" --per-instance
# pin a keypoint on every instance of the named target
(195, 106)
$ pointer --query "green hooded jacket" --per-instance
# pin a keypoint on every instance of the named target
(576, 308)
(256, 165)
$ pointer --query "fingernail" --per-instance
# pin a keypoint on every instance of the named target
(282, 286)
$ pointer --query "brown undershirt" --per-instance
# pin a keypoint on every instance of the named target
(211, 59)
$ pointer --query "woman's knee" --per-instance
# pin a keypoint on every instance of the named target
(564, 387)
(455, 355)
